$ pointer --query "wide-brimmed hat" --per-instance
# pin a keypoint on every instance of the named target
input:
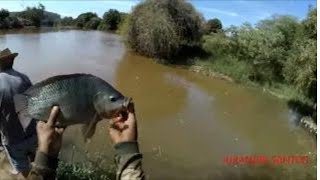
(6, 53)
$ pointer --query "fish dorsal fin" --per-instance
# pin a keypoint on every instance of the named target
(58, 78)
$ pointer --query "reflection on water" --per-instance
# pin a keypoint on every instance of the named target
(187, 122)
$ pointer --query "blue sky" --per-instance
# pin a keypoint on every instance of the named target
(230, 12)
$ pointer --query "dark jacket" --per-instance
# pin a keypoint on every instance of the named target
(11, 83)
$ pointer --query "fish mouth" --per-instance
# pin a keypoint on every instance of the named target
(126, 104)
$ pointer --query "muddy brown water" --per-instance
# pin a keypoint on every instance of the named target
(187, 122)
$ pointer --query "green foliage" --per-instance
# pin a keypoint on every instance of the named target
(217, 44)
(66, 21)
(4, 14)
(112, 19)
(301, 65)
(123, 27)
(102, 26)
(161, 28)
(288, 26)
(82, 171)
(214, 25)
(7, 21)
(93, 23)
(262, 50)
(84, 18)
(279, 53)
(310, 24)
(34, 14)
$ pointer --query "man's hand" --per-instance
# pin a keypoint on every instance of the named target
(123, 128)
(50, 137)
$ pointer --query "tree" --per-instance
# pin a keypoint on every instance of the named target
(301, 65)
(66, 21)
(3, 14)
(93, 23)
(214, 25)
(35, 14)
(112, 18)
(84, 18)
(288, 26)
(310, 24)
(161, 28)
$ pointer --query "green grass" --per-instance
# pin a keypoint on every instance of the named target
(228, 66)
(84, 171)
(240, 72)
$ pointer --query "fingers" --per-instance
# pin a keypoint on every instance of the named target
(130, 108)
(60, 130)
(53, 116)
(40, 124)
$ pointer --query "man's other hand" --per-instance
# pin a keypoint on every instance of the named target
(49, 136)
(123, 128)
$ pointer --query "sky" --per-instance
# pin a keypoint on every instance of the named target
(230, 12)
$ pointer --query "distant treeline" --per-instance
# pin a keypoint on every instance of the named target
(38, 16)
(89, 20)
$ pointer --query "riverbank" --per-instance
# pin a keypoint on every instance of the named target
(235, 73)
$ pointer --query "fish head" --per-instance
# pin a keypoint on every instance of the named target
(110, 105)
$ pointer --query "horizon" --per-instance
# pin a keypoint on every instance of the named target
(232, 12)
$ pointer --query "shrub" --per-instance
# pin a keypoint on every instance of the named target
(214, 26)
(112, 19)
(161, 28)
(93, 23)
(84, 18)
(217, 44)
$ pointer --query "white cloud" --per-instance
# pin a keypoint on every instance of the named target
(219, 11)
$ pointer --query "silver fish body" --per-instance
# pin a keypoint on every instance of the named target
(82, 99)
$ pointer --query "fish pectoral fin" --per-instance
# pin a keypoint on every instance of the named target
(20, 103)
(88, 130)
(21, 108)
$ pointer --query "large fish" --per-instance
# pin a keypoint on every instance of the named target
(82, 99)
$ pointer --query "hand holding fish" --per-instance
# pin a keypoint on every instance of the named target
(123, 128)
(49, 136)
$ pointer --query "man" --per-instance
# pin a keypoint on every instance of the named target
(123, 133)
(19, 143)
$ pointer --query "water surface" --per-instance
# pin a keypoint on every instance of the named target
(187, 122)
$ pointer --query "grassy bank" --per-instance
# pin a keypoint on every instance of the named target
(84, 171)
(235, 71)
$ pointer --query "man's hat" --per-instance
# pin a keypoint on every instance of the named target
(6, 53)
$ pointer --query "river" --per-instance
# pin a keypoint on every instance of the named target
(188, 122)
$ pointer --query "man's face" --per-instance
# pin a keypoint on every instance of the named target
(6, 63)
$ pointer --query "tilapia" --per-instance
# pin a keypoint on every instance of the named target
(82, 99)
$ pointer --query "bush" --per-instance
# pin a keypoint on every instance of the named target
(34, 14)
(93, 23)
(84, 18)
(301, 67)
(123, 27)
(217, 44)
(66, 21)
(161, 28)
(112, 19)
(214, 26)
(102, 26)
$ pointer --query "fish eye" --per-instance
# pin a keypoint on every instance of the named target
(112, 98)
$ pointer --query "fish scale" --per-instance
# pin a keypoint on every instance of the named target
(82, 99)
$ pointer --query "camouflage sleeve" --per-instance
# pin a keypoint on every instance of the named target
(129, 161)
(43, 167)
